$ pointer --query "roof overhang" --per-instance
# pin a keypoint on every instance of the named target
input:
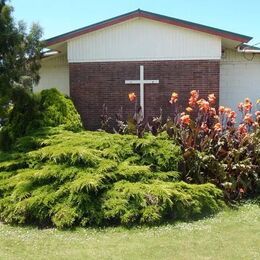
(156, 17)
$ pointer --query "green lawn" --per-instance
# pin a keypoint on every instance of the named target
(233, 234)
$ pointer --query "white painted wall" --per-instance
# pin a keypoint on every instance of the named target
(239, 78)
(54, 73)
(143, 39)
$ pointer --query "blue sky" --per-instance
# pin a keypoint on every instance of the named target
(60, 16)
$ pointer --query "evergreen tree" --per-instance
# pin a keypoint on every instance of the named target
(20, 54)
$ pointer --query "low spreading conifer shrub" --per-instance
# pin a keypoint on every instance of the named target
(61, 178)
(152, 202)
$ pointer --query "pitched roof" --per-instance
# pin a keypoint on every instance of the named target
(250, 47)
(152, 16)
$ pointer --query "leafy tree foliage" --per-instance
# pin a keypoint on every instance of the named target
(32, 111)
(20, 54)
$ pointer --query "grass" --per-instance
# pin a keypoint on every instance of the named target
(232, 234)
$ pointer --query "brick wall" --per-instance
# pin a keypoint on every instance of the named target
(95, 83)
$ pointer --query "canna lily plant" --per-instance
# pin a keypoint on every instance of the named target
(135, 124)
(219, 145)
(216, 147)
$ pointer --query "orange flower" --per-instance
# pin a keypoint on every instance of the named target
(242, 129)
(203, 105)
(194, 93)
(247, 100)
(174, 98)
(232, 115)
(240, 106)
(248, 105)
(227, 110)
(211, 98)
(132, 97)
(194, 97)
(204, 127)
(200, 101)
(248, 119)
(217, 127)
(221, 110)
(212, 111)
(185, 119)
(189, 109)
(192, 101)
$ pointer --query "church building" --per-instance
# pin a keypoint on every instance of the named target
(152, 55)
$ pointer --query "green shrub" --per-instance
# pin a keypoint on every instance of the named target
(62, 178)
(159, 153)
(59, 110)
(64, 216)
(34, 111)
(153, 202)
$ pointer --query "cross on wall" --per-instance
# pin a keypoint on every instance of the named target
(142, 82)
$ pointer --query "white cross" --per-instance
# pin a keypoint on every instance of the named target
(142, 81)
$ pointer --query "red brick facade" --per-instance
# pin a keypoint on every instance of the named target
(95, 83)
